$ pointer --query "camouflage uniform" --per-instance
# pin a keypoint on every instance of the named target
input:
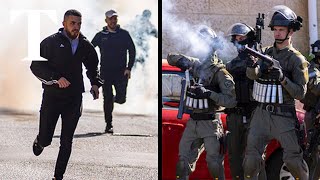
(310, 101)
(279, 121)
(239, 117)
(205, 128)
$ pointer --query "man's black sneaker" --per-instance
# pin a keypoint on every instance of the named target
(37, 148)
(56, 178)
(109, 130)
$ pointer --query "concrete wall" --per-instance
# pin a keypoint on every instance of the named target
(221, 14)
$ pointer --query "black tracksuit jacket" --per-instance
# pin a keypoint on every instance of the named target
(62, 63)
(114, 47)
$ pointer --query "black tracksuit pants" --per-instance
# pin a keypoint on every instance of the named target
(120, 85)
(69, 107)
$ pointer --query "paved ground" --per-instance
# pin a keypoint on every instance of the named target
(131, 153)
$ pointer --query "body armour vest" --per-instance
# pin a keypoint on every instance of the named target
(310, 100)
(203, 76)
(268, 90)
(243, 85)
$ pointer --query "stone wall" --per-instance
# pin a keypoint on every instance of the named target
(221, 14)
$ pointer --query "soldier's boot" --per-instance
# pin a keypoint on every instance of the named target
(251, 167)
(216, 170)
(182, 170)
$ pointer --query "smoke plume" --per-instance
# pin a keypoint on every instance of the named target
(185, 38)
(20, 89)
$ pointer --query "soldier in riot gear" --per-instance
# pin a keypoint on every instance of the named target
(239, 117)
(204, 126)
(242, 33)
(315, 49)
(275, 115)
(312, 106)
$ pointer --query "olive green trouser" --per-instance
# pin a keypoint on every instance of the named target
(209, 131)
(237, 139)
(266, 125)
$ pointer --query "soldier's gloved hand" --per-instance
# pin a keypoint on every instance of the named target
(183, 64)
(264, 68)
(312, 83)
(190, 92)
(202, 93)
(276, 73)
(251, 62)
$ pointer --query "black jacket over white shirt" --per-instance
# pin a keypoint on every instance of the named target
(62, 63)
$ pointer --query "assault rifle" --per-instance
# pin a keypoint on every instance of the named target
(269, 61)
(259, 26)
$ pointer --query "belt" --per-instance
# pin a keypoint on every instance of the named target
(196, 116)
(280, 109)
(237, 110)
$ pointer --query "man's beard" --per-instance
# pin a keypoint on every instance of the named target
(113, 27)
(72, 36)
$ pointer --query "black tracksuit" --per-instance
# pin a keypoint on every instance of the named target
(66, 102)
(114, 47)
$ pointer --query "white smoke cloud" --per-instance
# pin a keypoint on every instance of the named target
(19, 89)
(184, 36)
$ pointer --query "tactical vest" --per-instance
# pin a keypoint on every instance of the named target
(243, 85)
(268, 90)
(195, 104)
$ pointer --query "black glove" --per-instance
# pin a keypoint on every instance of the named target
(202, 93)
(312, 83)
(276, 73)
(251, 62)
(183, 64)
(190, 92)
(264, 68)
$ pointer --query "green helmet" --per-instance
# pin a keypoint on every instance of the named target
(284, 16)
(242, 29)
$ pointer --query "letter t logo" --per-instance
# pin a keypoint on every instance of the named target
(33, 30)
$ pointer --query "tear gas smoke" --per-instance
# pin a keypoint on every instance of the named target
(21, 90)
(141, 30)
(185, 38)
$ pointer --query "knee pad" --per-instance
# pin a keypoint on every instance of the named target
(251, 166)
(182, 170)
